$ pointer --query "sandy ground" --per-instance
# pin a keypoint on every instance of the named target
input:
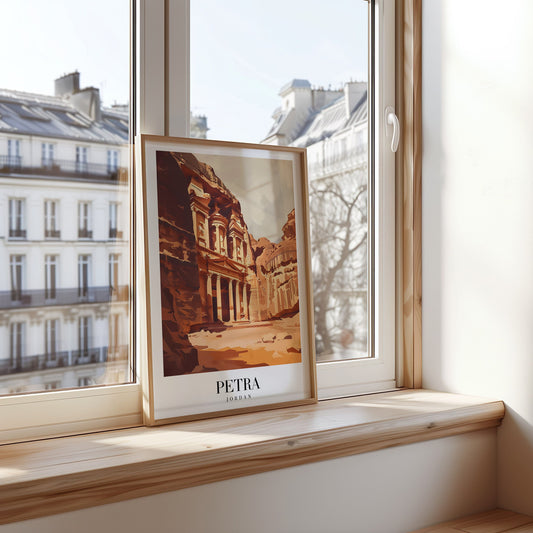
(246, 345)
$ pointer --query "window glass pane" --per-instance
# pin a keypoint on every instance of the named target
(296, 73)
(64, 170)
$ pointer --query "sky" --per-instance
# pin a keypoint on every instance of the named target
(43, 39)
(242, 52)
(264, 188)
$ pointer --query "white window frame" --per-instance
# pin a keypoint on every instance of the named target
(84, 219)
(51, 217)
(51, 265)
(113, 220)
(377, 373)
(46, 414)
(113, 269)
(163, 64)
(17, 216)
(17, 275)
(13, 152)
(337, 378)
(81, 159)
(47, 154)
(51, 338)
(112, 160)
(17, 330)
(84, 275)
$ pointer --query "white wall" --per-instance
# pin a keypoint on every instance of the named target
(478, 217)
(389, 491)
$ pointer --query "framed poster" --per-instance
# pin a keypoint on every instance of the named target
(228, 295)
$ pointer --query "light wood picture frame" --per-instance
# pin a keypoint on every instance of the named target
(229, 314)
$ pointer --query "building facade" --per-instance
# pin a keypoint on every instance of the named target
(332, 125)
(64, 239)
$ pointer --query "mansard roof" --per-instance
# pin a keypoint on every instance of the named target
(295, 84)
(53, 116)
(329, 120)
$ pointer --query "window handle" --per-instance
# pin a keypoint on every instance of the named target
(392, 120)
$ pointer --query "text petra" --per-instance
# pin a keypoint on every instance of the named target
(237, 385)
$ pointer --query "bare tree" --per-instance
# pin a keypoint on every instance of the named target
(338, 215)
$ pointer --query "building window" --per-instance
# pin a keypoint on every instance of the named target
(113, 342)
(84, 221)
(17, 335)
(85, 381)
(51, 225)
(114, 233)
(81, 159)
(47, 155)
(113, 272)
(17, 267)
(52, 385)
(50, 277)
(51, 334)
(13, 153)
(84, 264)
(112, 161)
(84, 336)
(17, 218)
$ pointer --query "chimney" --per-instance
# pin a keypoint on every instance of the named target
(88, 101)
(353, 92)
(67, 84)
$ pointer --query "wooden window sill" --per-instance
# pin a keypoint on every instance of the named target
(57, 475)
(496, 521)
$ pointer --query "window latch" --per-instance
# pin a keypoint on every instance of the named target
(392, 120)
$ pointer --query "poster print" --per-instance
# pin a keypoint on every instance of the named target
(229, 293)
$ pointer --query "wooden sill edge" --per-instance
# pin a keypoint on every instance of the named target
(59, 475)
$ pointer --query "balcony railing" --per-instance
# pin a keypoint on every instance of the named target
(63, 168)
(115, 234)
(63, 359)
(41, 297)
(52, 234)
(84, 233)
(15, 233)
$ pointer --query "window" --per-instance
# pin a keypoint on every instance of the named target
(51, 334)
(114, 336)
(84, 221)
(17, 267)
(70, 123)
(47, 155)
(84, 263)
(113, 272)
(160, 112)
(51, 226)
(112, 161)
(84, 338)
(17, 337)
(50, 277)
(337, 114)
(17, 218)
(81, 159)
(114, 233)
(13, 153)
(85, 381)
